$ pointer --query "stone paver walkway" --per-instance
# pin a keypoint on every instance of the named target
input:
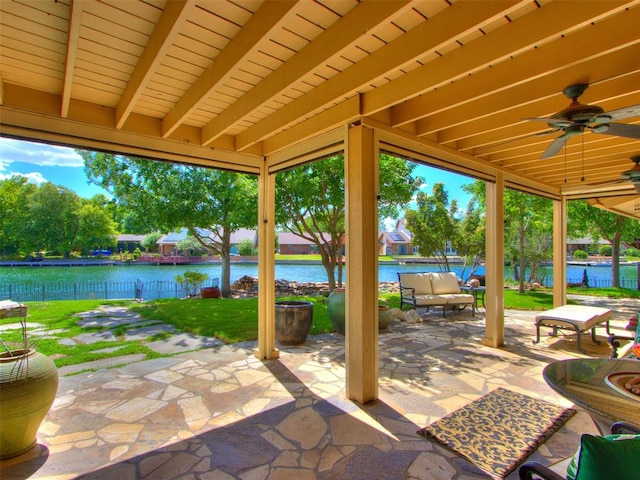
(219, 413)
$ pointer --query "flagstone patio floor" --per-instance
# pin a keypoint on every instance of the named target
(220, 413)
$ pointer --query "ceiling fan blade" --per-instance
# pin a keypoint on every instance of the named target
(555, 146)
(556, 122)
(618, 130)
(619, 114)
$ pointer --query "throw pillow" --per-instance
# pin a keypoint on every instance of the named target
(609, 456)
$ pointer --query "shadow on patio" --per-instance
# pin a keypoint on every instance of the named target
(222, 414)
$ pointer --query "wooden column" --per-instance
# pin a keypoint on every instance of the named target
(494, 264)
(559, 252)
(266, 267)
(361, 192)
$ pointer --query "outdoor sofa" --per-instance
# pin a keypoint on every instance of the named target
(429, 289)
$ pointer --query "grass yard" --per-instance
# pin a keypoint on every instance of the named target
(230, 320)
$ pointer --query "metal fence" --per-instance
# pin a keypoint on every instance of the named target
(138, 290)
(630, 283)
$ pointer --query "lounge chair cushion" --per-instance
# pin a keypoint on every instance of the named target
(608, 456)
(420, 281)
(444, 283)
(428, 300)
(458, 298)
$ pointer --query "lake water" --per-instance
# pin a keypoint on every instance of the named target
(598, 276)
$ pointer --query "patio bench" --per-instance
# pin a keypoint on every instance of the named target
(579, 318)
(427, 289)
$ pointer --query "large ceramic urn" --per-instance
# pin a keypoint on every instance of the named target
(336, 310)
(28, 386)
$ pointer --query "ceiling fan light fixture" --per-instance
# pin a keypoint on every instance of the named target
(603, 118)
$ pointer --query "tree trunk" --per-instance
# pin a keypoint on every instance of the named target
(521, 249)
(615, 261)
(225, 258)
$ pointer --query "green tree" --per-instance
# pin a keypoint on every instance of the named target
(191, 246)
(14, 192)
(246, 248)
(434, 224)
(96, 230)
(470, 243)
(164, 196)
(311, 203)
(53, 219)
(528, 234)
(597, 223)
(150, 242)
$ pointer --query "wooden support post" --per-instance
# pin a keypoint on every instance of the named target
(361, 191)
(559, 252)
(266, 267)
(494, 261)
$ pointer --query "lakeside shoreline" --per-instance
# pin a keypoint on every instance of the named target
(214, 261)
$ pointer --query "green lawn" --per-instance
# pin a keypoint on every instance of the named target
(230, 320)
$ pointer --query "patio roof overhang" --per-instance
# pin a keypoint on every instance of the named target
(228, 84)
(259, 86)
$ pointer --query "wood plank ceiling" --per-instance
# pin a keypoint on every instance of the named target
(227, 83)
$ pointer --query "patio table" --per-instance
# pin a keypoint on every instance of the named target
(590, 383)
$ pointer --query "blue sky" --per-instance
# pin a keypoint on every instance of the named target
(63, 166)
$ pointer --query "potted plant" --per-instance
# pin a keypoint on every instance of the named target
(28, 386)
(385, 317)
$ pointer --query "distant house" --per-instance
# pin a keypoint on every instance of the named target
(586, 244)
(128, 242)
(243, 234)
(292, 244)
(169, 243)
(397, 242)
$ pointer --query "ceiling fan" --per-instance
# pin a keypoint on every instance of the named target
(577, 118)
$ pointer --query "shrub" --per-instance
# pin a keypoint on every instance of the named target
(605, 250)
(580, 254)
(245, 248)
(192, 281)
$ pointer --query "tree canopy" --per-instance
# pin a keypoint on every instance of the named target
(165, 196)
(50, 218)
(598, 223)
(310, 202)
(438, 226)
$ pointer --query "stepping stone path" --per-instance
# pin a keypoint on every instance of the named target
(139, 328)
(134, 327)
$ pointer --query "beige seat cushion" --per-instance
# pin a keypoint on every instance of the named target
(458, 298)
(444, 282)
(420, 281)
(582, 317)
(427, 300)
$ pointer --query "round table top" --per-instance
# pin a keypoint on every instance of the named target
(594, 384)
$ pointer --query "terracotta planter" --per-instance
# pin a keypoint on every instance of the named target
(293, 321)
(28, 386)
(384, 317)
(210, 292)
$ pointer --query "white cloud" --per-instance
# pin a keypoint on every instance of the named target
(37, 154)
(33, 177)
